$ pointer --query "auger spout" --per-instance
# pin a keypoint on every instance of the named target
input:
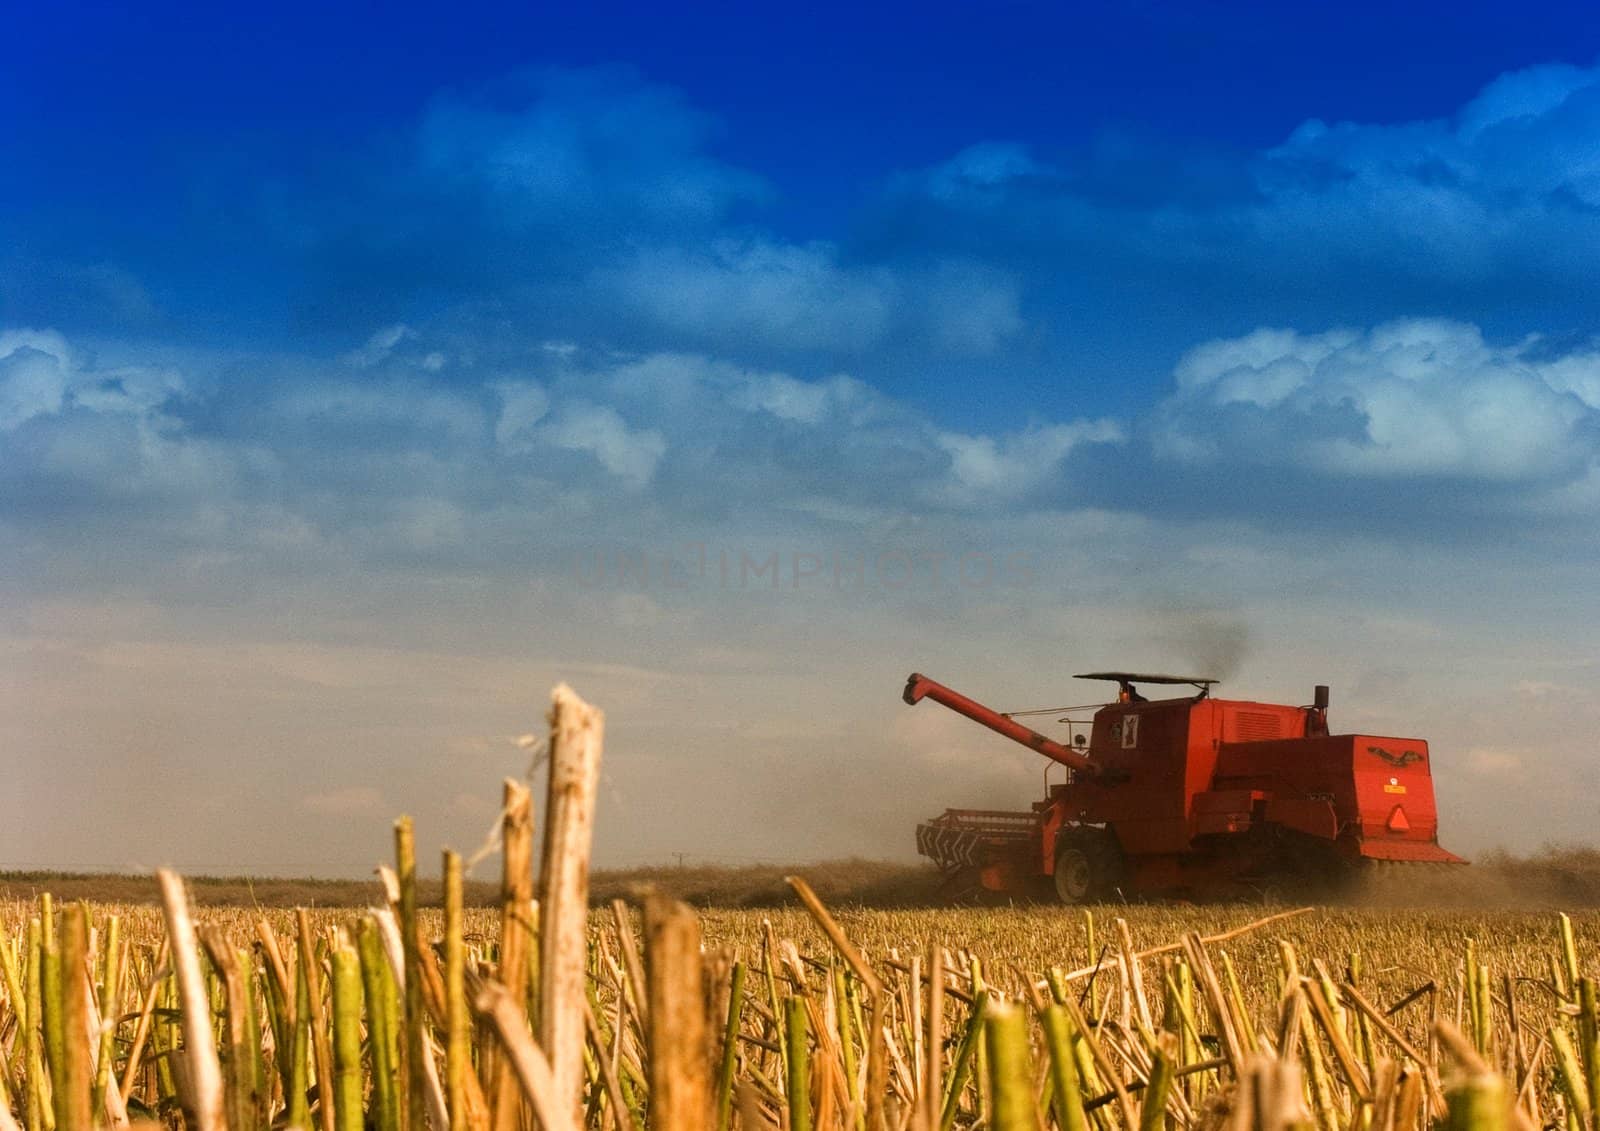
(919, 687)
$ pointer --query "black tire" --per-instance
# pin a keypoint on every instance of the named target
(1088, 866)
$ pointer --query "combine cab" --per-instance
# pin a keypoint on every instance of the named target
(1190, 796)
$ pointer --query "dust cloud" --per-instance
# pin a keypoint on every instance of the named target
(1557, 877)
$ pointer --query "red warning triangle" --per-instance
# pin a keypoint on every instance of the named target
(1398, 822)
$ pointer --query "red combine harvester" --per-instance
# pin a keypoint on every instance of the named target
(1194, 796)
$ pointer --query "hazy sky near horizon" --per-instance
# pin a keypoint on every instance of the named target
(362, 375)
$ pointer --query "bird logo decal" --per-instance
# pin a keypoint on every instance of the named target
(1404, 758)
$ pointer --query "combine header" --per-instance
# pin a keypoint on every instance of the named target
(1191, 796)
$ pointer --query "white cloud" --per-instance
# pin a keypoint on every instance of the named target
(982, 166)
(789, 294)
(997, 468)
(756, 290)
(1415, 397)
(631, 454)
(379, 346)
(411, 525)
(966, 309)
(40, 375)
(580, 149)
(804, 402)
(1472, 197)
(34, 375)
(314, 467)
(1522, 97)
(333, 400)
(1490, 209)
(104, 434)
(522, 405)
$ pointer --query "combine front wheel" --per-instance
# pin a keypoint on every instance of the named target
(1087, 866)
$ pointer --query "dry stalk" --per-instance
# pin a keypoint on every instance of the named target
(321, 1035)
(577, 733)
(679, 1050)
(516, 929)
(205, 1073)
(533, 1069)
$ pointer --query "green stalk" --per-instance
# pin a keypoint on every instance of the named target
(981, 1052)
(963, 1064)
(54, 1039)
(379, 985)
(1470, 1024)
(1089, 1076)
(1483, 1008)
(1330, 994)
(297, 1078)
(730, 1047)
(1058, 984)
(1171, 1021)
(167, 1031)
(254, 1074)
(110, 990)
(1152, 1116)
(1094, 988)
(1569, 957)
(849, 1026)
(1065, 1095)
(321, 1045)
(797, 1075)
(35, 1099)
(1189, 1036)
(13, 977)
(5, 1087)
(279, 1017)
(346, 1038)
(1241, 1015)
(107, 957)
(216, 994)
(1478, 1103)
(1011, 1069)
(1363, 1034)
(1324, 1106)
(1558, 976)
(1570, 1075)
(413, 1017)
(1589, 1034)
(769, 952)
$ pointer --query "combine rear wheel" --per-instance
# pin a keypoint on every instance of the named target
(1088, 866)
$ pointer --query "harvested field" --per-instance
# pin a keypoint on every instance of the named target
(1449, 971)
(649, 1015)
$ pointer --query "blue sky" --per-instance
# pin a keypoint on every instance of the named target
(346, 358)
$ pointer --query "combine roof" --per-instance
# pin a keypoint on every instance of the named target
(1136, 677)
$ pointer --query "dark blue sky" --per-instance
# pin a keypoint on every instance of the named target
(875, 87)
(215, 155)
(331, 337)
